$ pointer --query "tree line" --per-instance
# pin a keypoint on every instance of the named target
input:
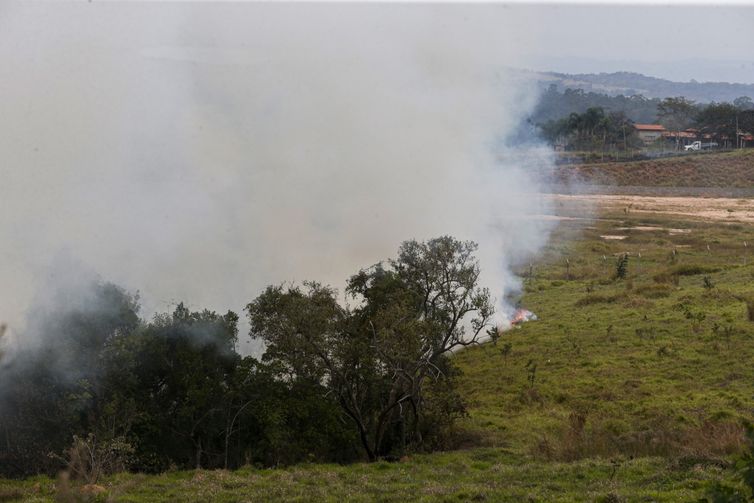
(335, 383)
(593, 130)
(554, 105)
(596, 129)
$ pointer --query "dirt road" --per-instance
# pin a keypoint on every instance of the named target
(719, 209)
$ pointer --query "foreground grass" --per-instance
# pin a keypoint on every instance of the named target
(475, 475)
(639, 391)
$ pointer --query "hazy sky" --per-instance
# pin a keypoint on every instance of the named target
(679, 42)
(703, 42)
(638, 33)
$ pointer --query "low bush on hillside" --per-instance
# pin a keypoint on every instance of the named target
(657, 291)
(582, 437)
(597, 298)
(744, 471)
(692, 269)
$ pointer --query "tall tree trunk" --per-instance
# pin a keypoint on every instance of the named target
(383, 419)
(363, 436)
(199, 454)
(371, 455)
(417, 430)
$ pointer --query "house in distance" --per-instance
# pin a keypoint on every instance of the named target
(649, 133)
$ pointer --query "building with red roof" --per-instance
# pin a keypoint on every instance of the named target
(649, 133)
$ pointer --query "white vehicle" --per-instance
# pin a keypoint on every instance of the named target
(697, 145)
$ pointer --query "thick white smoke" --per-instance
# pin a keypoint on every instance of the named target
(199, 152)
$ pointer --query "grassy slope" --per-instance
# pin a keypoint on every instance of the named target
(625, 356)
(649, 415)
(731, 169)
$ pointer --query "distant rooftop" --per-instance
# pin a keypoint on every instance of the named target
(649, 127)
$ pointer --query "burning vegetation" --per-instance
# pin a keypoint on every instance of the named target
(521, 316)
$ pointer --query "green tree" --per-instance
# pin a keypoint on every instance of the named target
(676, 114)
(53, 387)
(746, 121)
(555, 131)
(743, 103)
(185, 363)
(592, 130)
(143, 395)
(378, 357)
(719, 120)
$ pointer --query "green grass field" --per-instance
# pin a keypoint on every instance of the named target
(638, 394)
(655, 364)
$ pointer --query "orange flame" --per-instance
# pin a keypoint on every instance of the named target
(521, 315)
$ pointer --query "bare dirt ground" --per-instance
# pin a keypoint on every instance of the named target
(710, 209)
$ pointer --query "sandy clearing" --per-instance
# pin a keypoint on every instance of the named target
(705, 208)
(652, 228)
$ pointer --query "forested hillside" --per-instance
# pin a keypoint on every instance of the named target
(555, 104)
(629, 83)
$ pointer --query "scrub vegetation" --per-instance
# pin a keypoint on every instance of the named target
(723, 170)
(654, 363)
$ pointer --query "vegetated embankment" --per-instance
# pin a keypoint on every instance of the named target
(728, 174)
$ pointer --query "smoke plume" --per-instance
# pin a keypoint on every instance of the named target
(198, 152)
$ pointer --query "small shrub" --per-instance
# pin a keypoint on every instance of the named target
(531, 373)
(610, 498)
(720, 493)
(621, 266)
(543, 449)
(11, 494)
(506, 350)
(645, 333)
(596, 298)
(673, 256)
(693, 269)
(638, 303)
(494, 334)
(664, 350)
(88, 459)
(696, 317)
(654, 291)
(749, 301)
(573, 443)
(750, 308)
(666, 277)
(576, 347)
(723, 332)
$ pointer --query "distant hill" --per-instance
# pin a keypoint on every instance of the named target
(629, 84)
